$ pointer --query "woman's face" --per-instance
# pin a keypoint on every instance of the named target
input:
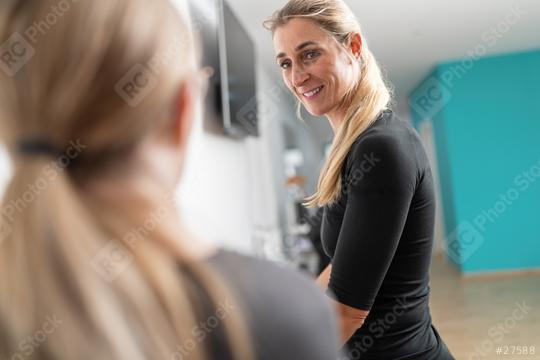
(314, 67)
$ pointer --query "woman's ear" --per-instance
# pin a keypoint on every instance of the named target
(184, 113)
(356, 45)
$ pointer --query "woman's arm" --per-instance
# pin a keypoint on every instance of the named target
(378, 202)
(350, 319)
(324, 277)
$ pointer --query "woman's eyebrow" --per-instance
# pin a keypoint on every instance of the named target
(298, 48)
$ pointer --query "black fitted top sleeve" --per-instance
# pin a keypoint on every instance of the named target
(378, 183)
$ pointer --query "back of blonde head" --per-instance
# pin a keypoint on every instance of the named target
(67, 93)
(363, 102)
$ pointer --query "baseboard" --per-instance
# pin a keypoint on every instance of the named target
(500, 274)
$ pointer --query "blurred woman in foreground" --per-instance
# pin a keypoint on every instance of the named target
(96, 110)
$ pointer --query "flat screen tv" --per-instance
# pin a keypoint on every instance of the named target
(231, 104)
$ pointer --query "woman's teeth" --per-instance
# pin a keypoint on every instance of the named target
(312, 92)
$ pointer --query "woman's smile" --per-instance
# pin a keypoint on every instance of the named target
(314, 93)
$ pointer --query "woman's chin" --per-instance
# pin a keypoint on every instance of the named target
(315, 111)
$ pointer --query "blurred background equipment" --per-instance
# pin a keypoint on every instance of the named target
(303, 246)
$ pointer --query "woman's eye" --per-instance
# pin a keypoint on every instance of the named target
(284, 65)
(311, 54)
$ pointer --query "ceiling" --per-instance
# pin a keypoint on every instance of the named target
(409, 37)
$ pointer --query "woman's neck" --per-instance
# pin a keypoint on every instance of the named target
(337, 115)
(335, 119)
(148, 189)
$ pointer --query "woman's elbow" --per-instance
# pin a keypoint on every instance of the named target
(354, 321)
(351, 319)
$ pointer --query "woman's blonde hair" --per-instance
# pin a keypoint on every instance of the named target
(364, 101)
(68, 84)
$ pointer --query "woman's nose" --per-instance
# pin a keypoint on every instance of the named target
(299, 76)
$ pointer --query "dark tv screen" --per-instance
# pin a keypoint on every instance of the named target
(238, 66)
(231, 103)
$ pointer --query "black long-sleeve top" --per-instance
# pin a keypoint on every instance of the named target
(379, 235)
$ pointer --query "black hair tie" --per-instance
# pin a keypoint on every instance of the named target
(37, 147)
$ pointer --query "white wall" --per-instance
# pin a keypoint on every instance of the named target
(233, 190)
(5, 170)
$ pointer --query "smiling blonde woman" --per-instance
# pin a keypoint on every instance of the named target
(376, 186)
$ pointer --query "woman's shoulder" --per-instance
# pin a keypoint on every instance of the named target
(389, 137)
(389, 148)
(288, 314)
(388, 129)
(266, 283)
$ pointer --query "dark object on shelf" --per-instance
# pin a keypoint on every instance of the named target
(231, 106)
